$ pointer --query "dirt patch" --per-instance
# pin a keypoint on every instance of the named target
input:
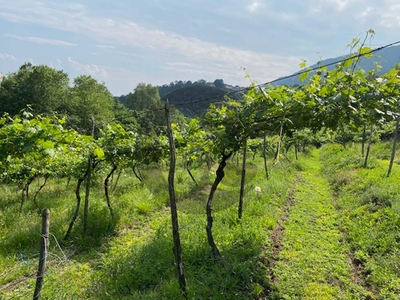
(15, 282)
(279, 230)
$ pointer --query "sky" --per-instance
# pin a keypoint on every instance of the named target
(126, 42)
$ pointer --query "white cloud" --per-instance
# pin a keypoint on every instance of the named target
(105, 46)
(74, 18)
(131, 54)
(59, 61)
(385, 13)
(315, 9)
(252, 7)
(39, 40)
(391, 17)
(93, 70)
(198, 69)
(6, 56)
(340, 4)
(366, 12)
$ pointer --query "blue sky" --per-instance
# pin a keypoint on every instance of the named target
(123, 43)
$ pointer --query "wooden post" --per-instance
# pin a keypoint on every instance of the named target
(369, 146)
(44, 247)
(265, 156)
(363, 142)
(396, 133)
(242, 181)
(278, 147)
(87, 195)
(87, 190)
(174, 213)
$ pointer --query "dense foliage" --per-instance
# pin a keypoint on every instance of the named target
(177, 85)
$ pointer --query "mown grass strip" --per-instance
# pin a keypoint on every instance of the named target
(278, 230)
(313, 263)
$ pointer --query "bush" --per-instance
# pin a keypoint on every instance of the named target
(340, 178)
(376, 196)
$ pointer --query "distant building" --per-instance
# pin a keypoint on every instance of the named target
(234, 88)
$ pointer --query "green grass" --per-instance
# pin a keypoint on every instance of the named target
(131, 257)
(369, 208)
(344, 218)
(313, 263)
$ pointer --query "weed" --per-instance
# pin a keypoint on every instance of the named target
(143, 207)
(376, 196)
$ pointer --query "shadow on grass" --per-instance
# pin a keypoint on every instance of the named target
(135, 273)
(226, 195)
(26, 239)
(100, 226)
(10, 201)
(149, 272)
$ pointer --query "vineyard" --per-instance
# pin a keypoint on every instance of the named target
(290, 193)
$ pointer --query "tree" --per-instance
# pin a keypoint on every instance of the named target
(41, 87)
(145, 96)
(145, 102)
(88, 98)
(219, 83)
(125, 116)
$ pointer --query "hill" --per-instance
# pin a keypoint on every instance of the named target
(201, 93)
(193, 94)
(387, 58)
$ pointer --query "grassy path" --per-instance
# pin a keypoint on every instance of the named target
(278, 230)
(314, 262)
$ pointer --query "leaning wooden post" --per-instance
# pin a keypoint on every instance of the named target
(44, 247)
(174, 213)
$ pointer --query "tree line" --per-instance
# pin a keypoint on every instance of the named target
(43, 90)
(166, 89)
